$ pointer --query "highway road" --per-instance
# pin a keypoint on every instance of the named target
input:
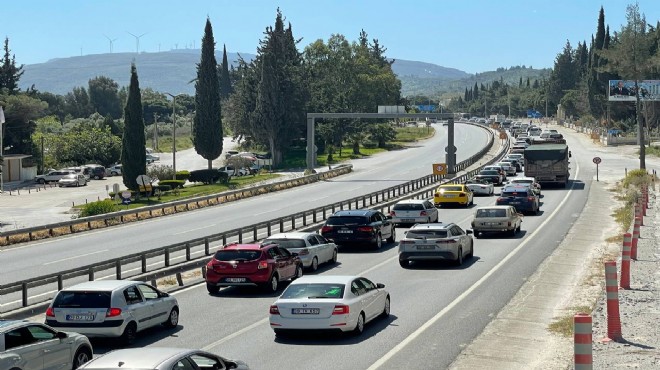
(370, 174)
(437, 309)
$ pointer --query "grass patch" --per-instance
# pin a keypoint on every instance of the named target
(615, 239)
(564, 324)
(653, 150)
(182, 143)
(412, 134)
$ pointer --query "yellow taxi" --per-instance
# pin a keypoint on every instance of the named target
(453, 194)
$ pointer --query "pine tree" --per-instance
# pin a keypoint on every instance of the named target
(225, 80)
(207, 128)
(133, 154)
(9, 73)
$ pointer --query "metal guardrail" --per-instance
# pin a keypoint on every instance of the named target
(382, 199)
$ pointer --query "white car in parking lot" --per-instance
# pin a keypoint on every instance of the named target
(312, 248)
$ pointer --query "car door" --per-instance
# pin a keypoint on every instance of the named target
(431, 211)
(461, 237)
(386, 225)
(369, 297)
(326, 246)
(314, 248)
(280, 263)
(289, 261)
(139, 309)
(160, 308)
(56, 352)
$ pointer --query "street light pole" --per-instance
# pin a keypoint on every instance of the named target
(173, 133)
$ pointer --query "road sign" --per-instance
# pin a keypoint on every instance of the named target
(502, 135)
(597, 160)
(440, 169)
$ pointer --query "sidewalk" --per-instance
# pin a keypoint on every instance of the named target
(518, 338)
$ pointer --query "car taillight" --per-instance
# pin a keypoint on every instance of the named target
(461, 194)
(262, 265)
(366, 229)
(392, 213)
(402, 242)
(422, 213)
(274, 310)
(499, 199)
(509, 223)
(50, 312)
(303, 252)
(436, 194)
(326, 229)
(445, 241)
(341, 309)
(112, 312)
(530, 198)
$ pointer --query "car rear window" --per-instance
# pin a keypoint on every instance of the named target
(491, 213)
(82, 299)
(408, 207)
(421, 234)
(451, 188)
(237, 255)
(522, 181)
(514, 193)
(489, 173)
(346, 220)
(288, 243)
(314, 291)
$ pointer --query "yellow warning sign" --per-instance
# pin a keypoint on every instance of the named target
(439, 169)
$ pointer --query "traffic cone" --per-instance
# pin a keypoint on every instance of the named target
(612, 291)
(625, 261)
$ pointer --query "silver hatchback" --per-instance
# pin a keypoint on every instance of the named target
(162, 358)
(112, 308)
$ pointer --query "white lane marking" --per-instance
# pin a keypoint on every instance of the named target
(74, 257)
(195, 229)
(467, 292)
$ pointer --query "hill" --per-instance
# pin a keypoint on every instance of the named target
(173, 71)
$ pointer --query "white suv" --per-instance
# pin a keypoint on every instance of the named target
(112, 308)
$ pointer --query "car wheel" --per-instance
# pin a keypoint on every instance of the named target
(129, 334)
(392, 237)
(359, 327)
(476, 233)
(471, 254)
(299, 272)
(512, 232)
(212, 288)
(172, 319)
(334, 256)
(315, 264)
(41, 181)
(386, 309)
(459, 259)
(273, 284)
(379, 242)
(404, 263)
(82, 356)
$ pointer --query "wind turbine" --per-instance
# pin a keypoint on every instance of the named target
(111, 41)
(137, 41)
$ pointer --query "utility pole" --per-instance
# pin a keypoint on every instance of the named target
(155, 131)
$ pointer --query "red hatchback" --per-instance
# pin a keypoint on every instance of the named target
(262, 265)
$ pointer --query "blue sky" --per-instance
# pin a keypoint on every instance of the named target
(470, 35)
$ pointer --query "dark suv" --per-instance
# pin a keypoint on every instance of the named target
(359, 226)
(262, 265)
(521, 197)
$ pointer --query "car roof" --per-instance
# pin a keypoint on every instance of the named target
(292, 235)
(411, 201)
(526, 178)
(336, 279)
(355, 212)
(494, 207)
(101, 285)
(136, 358)
(6, 325)
(449, 185)
(252, 246)
(434, 225)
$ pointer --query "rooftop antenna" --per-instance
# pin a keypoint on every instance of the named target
(137, 41)
(111, 41)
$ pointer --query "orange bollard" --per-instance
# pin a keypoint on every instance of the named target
(625, 261)
(582, 342)
(645, 202)
(612, 291)
(635, 237)
(638, 213)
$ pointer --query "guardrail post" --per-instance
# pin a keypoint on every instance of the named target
(187, 251)
(240, 236)
(364, 202)
(224, 239)
(314, 216)
(268, 229)
(281, 225)
(144, 263)
(324, 213)
(254, 233)
(60, 282)
(118, 269)
(293, 222)
(179, 279)
(304, 218)
(24, 294)
(203, 272)
(91, 274)
(206, 247)
(167, 257)
(349, 205)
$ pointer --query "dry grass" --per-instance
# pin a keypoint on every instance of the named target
(564, 325)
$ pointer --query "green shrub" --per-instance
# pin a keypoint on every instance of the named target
(369, 145)
(98, 208)
(173, 184)
(636, 178)
(183, 175)
(207, 176)
(162, 188)
(161, 172)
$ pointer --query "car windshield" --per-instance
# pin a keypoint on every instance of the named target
(408, 207)
(237, 255)
(82, 299)
(491, 212)
(318, 290)
(346, 220)
(424, 234)
(451, 188)
(287, 243)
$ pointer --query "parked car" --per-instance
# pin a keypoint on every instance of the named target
(28, 345)
(321, 302)
(312, 248)
(491, 176)
(52, 176)
(163, 358)
(359, 226)
(114, 170)
(98, 172)
(480, 186)
(112, 308)
(412, 211)
(436, 241)
(72, 179)
(500, 219)
(230, 153)
(453, 194)
(151, 158)
(233, 171)
(257, 264)
(521, 197)
(84, 170)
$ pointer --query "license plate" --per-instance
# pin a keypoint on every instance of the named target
(514, 202)
(80, 317)
(345, 231)
(493, 224)
(235, 280)
(407, 220)
(425, 247)
(450, 195)
(305, 311)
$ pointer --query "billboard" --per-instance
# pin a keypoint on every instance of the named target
(624, 90)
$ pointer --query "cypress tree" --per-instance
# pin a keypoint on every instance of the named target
(207, 128)
(133, 153)
(9, 72)
(225, 81)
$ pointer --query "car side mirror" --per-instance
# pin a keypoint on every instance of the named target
(389, 217)
(569, 154)
(61, 335)
(294, 254)
(468, 232)
(380, 285)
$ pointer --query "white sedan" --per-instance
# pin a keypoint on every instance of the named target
(312, 248)
(340, 303)
(412, 211)
(480, 187)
